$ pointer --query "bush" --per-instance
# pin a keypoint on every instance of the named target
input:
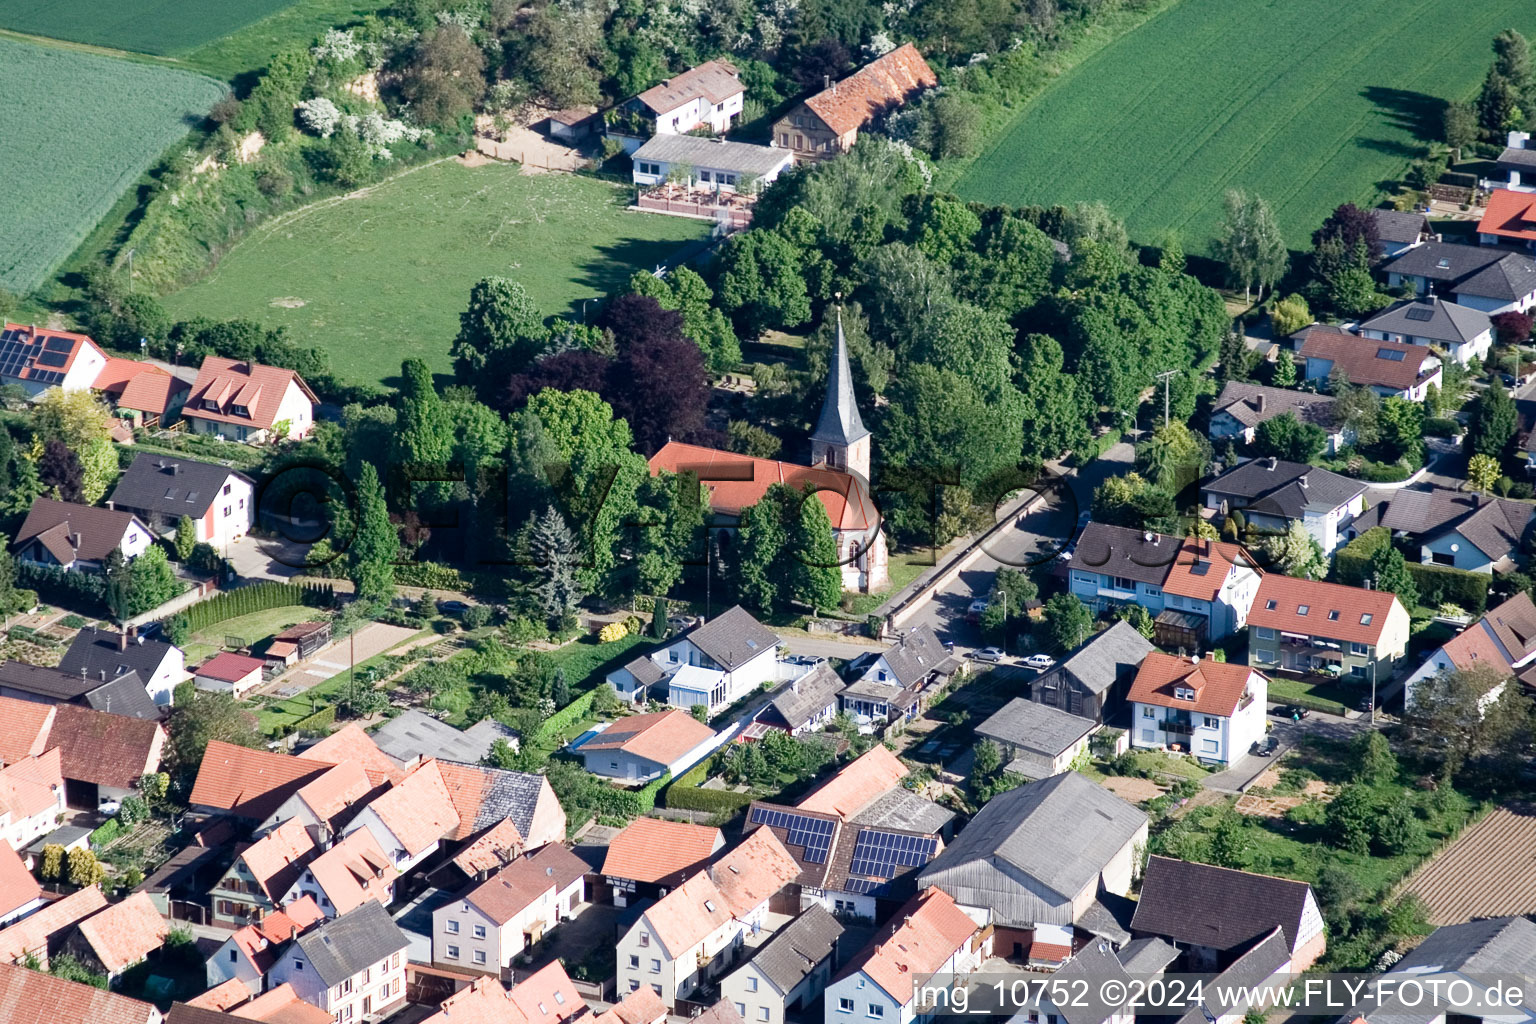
(432, 575)
(569, 715)
(319, 721)
(1440, 584)
(476, 616)
(714, 801)
(1441, 427)
(612, 632)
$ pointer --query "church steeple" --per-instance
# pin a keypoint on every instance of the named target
(841, 440)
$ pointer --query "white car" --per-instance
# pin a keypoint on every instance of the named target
(108, 808)
(991, 654)
(1039, 662)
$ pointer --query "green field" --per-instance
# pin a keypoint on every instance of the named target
(76, 129)
(1309, 103)
(147, 26)
(382, 275)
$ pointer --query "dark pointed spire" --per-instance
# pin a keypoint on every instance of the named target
(840, 422)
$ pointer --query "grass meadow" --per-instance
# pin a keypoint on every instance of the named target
(1309, 103)
(78, 129)
(383, 274)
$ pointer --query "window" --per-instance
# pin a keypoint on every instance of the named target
(876, 1010)
(1153, 591)
(613, 765)
(741, 1009)
(1365, 620)
(479, 931)
(1121, 583)
(1264, 657)
(226, 511)
(453, 928)
(704, 176)
(344, 1014)
(634, 962)
(1357, 648)
(799, 141)
(1209, 746)
(656, 988)
(634, 986)
(298, 965)
(784, 139)
(1302, 609)
(1208, 722)
(560, 998)
(762, 1013)
(394, 962)
(232, 956)
(1085, 577)
(1269, 605)
(226, 488)
(1264, 632)
(655, 966)
(453, 952)
(1148, 712)
(751, 984)
(479, 956)
(1148, 736)
(1357, 671)
(845, 1006)
(1442, 558)
(645, 938)
(1183, 693)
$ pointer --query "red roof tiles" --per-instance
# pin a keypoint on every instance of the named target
(250, 783)
(24, 728)
(31, 933)
(141, 387)
(918, 940)
(1510, 215)
(351, 743)
(1314, 608)
(880, 85)
(232, 382)
(661, 736)
(1219, 687)
(31, 997)
(1389, 364)
(735, 481)
(418, 812)
(858, 784)
(107, 749)
(125, 933)
(228, 667)
(650, 849)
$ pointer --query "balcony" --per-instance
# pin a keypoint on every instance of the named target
(1177, 727)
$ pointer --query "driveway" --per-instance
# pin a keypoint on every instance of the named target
(1285, 734)
(374, 638)
(266, 558)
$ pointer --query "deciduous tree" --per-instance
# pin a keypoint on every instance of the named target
(501, 333)
(1067, 622)
(1249, 242)
(1286, 437)
(445, 77)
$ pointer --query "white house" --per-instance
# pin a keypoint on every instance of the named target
(228, 672)
(161, 489)
(78, 537)
(352, 967)
(1271, 494)
(488, 925)
(20, 894)
(36, 359)
(1490, 280)
(410, 819)
(1462, 332)
(346, 876)
(1392, 369)
(319, 804)
(105, 654)
(708, 96)
(1518, 161)
(1503, 641)
(1207, 708)
(733, 654)
(709, 163)
(245, 401)
(789, 971)
(251, 950)
(643, 747)
(31, 797)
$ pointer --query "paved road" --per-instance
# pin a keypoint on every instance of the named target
(828, 647)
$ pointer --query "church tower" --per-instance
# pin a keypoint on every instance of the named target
(841, 440)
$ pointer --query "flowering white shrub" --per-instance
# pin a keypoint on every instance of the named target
(379, 132)
(879, 45)
(338, 46)
(320, 116)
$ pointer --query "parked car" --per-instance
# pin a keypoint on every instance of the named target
(1295, 712)
(989, 654)
(1039, 662)
(977, 609)
(108, 808)
(454, 608)
(1509, 379)
(810, 660)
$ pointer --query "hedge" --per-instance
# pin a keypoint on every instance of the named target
(257, 597)
(1352, 565)
(322, 719)
(106, 832)
(1441, 427)
(568, 716)
(715, 801)
(648, 794)
(431, 575)
(1439, 584)
(62, 587)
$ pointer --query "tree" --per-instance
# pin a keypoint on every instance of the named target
(761, 286)
(1057, 408)
(1286, 437)
(750, 439)
(1492, 423)
(1131, 501)
(84, 869)
(186, 538)
(60, 471)
(1249, 242)
(1457, 716)
(1513, 328)
(659, 383)
(949, 125)
(555, 555)
(1296, 553)
(1389, 572)
(152, 582)
(1483, 471)
(1067, 622)
(1374, 762)
(1139, 618)
(1093, 223)
(207, 717)
(422, 436)
(1011, 593)
(1459, 126)
(375, 546)
(1174, 456)
(1351, 818)
(760, 551)
(501, 333)
(1398, 829)
(53, 862)
(1349, 225)
(669, 528)
(1230, 841)
(1285, 371)
(817, 572)
(445, 77)
(119, 585)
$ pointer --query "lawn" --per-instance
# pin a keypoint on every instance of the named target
(78, 130)
(251, 629)
(1309, 103)
(382, 275)
(1312, 692)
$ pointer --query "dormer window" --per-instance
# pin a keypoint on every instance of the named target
(239, 410)
(211, 404)
(1183, 693)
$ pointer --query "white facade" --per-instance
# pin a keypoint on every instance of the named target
(722, 176)
(169, 674)
(714, 687)
(365, 994)
(699, 112)
(239, 688)
(1209, 737)
(858, 998)
(393, 848)
(19, 832)
(1462, 352)
(1520, 181)
(672, 974)
(295, 409)
(759, 1000)
(229, 961)
(467, 938)
(232, 513)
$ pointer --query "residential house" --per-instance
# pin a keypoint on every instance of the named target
(32, 997)
(1518, 161)
(890, 686)
(800, 705)
(231, 673)
(715, 664)
(351, 743)
(212, 1006)
(1037, 859)
(1389, 368)
(1036, 740)
(869, 791)
(691, 936)
(346, 876)
(161, 489)
(1241, 407)
(36, 359)
(103, 755)
(244, 401)
(250, 951)
(788, 972)
(142, 394)
(1211, 709)
(1472, 954)
(707, 97)
(323, 804)
(828, 123)
(1399, 230)
(546, 996)
(639, 1007)
(249, 784)
(1458, 529)
(1095, 968)
(31, 797)
(352, 967)
(413, 736)
(1462, 332)
(1214, 915)
(282, 1005)
(1476, 277)
(78, 537)
(1197, 591)
(1509, 218)
(643, 747)
(1503, 641)
(490, 851)
(487, 799)
(1091, 679)
(932, 934)
(24, 729)
(1302, 625)
(1268, 963)
(105, 655)
(1272, 494)
(485, 927)
(118, 936)
(262, 875)
(708, 163)
(411, 819)
(650, 857)
(20, 894)
(124, 695)
(40, 933)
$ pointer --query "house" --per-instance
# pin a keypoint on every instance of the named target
(38, 934)
(1241, 407)
(351, 743)
(1462, 332)
(1272, 494)
(244, 401)
(1197, 591)
(1389, 368)
(644, 747)
(1265, 966)
(1458, 529)
(1037, 859)
(485, 927)
(639, 1007)
(32, 997)
(488, 798)
(546, 996)
(109, 654)
(412, 736)
(411, 819)
(1509, 218)
(36, 359)
(1214, 915)
(161, 489)
(1036, 740)
(650, 857)
(890, 685)
(352, 967)
(828, 123)
(78, 537)
(710, 163)
(1518, 161)
(20, 894)
(118, 936)
(213, 1005)
(24, 729)
(231, 673)
(1310, 626)
(1473, 276)
(799, 705)
(323, 804)
(262, 875)
(141, 393)
(1471, 954)
(788, 972)
(124, 695)
(249, 953)
(932, 934)
(1091, 679)
(571, 125)
(1503, 641)
(1201, 706)
(1399, 230)
(715, 664)
(1095, 968)
(103, 755)
(31, 796)
(869, 791)
(691, 936)
(249, 784)
(299, 642)
(707, 96)
(346, 876)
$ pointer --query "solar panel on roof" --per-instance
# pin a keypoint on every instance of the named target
(56, 344)
(52, 359)
(1420, 313)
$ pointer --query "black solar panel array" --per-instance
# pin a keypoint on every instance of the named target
(815, 834)
(886, 853)
(17, 353)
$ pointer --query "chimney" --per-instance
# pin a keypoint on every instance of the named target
(111, 506)
(1258, 403)
(1272, 464)
(122, 640)
(826, 82)
(1302, 481)
(1211, 655)
(103, 675)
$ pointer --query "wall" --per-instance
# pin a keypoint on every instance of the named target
(1466, 556)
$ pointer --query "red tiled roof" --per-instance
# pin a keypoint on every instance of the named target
(221, 997)
(918, 940)
(858, 784)
(511, 890)
(141, 387)
(36, 339)
(31, 997)
(1334, 611)
(282, 1005)
(1358, 358)
(714, 80)
(24, 728)
(498, 845)
(27, 787)
(1510, 214)
(229, 667)
(880, 85)
(1218, 686)
(262, 941)
(544, 997)
(736, 481)
(642, 1006)
(276, 859)
(107, 749)
(330, 795)
(418, 811)
(351, 743)
(650, 849)
(31, 933)
(354, 871)
(125, 933)
(1203, 566)
(688, 913)
(1475, 647)
(234, 382)
(754, 871)
(660, 736)
(250, 783)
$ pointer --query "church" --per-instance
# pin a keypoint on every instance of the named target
(838, 475)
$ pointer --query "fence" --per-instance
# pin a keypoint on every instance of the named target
(735, 218)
